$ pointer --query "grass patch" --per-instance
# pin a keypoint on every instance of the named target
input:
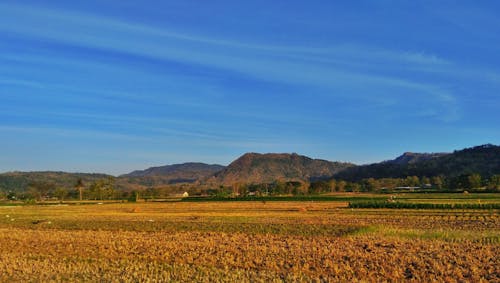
(448, 235)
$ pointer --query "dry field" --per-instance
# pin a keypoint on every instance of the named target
(246, 242)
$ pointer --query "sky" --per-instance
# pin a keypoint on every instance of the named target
(115, 86)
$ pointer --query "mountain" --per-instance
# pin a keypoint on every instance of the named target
(412, 157)
(267, 168)
(176, 173)
(483, 159)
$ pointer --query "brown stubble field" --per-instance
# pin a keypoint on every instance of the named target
(246, 241)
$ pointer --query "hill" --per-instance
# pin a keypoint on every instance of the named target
(20, 181)
(267, 168)
(179, 173)
(412, 158)
(483, 159)
(168, 175)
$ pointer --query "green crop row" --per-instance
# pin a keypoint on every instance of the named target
(409, 205)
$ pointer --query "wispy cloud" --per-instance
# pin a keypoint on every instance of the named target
(323, 67)
(71, 133)
(27, 83)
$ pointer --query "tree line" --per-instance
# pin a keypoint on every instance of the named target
(470, 182)
(105, 188)
(101, 189)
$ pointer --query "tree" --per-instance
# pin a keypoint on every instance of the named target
(303, 188)
(333, 185)
(494, 182)
(79, 187)
(341, 185)
(318, 187)
(292, 187)
(412, 181)
(61, 193)
(151, 192)
(371, 184)
(437, 182)
(353, 187)
(280, 187)
(108, 188)
(243, 190)
(390, 183)
(11, 195)
(236, 188)
(474, 181)
(102, 188)
(40, 190)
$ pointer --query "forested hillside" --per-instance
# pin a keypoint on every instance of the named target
(483, 160)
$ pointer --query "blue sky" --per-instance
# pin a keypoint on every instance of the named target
(114, 86)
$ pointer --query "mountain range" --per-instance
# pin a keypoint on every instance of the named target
(266, 168)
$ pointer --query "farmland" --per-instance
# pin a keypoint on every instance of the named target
(250, 241)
